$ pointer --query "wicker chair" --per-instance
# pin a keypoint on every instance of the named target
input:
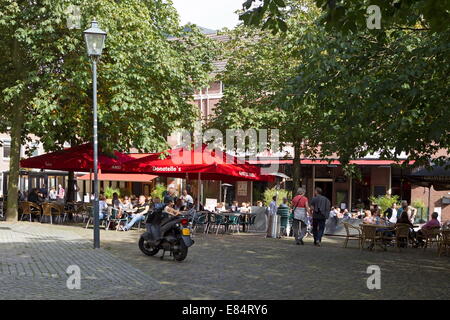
(49, 209)
(444, 244)
(81, 212)
(354, 236)
(402, 231)
(29, 208)
(369, 234)
(431, 236)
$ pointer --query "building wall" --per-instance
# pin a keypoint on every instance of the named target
(421, 193)
(5, 140)
(379, 177)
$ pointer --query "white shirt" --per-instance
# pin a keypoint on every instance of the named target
(102, 206)
(273, 208)
(52, 194)
(393, 218)
(188, 199)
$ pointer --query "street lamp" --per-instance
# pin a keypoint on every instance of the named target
(95, 42)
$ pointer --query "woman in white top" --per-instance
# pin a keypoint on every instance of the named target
(102, 208)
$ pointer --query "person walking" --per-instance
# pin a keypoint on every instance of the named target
(272, 210)
(320, 206)
(301, 211)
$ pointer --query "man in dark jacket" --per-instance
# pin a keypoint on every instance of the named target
(320, 207)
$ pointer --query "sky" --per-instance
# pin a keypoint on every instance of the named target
(211, 14)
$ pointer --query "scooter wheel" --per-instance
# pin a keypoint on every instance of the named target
(146, 249)
(182, 252)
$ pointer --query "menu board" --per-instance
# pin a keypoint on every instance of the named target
(241, 188)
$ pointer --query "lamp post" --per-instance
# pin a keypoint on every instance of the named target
(95, 42)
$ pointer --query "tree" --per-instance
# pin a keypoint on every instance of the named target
(146, 79)
(350, 94)
(259, 67)
(349, 15)
(376, 93)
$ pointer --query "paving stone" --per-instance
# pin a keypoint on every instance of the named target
(35, 257)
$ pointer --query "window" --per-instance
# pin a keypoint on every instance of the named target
(6, 149)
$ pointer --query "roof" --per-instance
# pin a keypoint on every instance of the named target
(375, 162)
(120, 177)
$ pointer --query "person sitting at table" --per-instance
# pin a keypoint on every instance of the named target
(116, 203)
(244, 208)
(33, 196)
(221, 207)
(235, 206)
(404, 219)
(52, 195)
(179, 205)
(126, 205)
(377, 219)
(138, 214)
(102, 208)
(170, 196)
(432, 224)
(368, 217)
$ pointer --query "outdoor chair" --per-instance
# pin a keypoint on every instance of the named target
(201, 221)
(211, 221)
(352, 236)
(369, 234)
(81, 212)
(90, 219)
(50, 209)
(29, 208)
(143, 221)
(234, 222)
(444, 243)
(402, 232)
(431, 236)
(251, 222)
(219, 221)
(116, 219)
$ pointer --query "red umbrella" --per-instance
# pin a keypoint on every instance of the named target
(78, 158)
(200, 163)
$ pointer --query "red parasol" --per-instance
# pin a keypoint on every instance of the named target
(195, 164)
(78, 158)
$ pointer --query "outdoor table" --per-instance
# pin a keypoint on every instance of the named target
(381, 226)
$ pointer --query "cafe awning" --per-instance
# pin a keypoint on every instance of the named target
(199, 163)
(78, 158)
(120, 177)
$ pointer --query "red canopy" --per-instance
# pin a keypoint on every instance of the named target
(79, 158)
(140, 177)
(183, 163)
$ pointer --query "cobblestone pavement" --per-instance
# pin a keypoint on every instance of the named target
(34, 259)
(248, 266)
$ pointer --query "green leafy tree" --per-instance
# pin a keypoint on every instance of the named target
(146, 78)
(158, 191)
(350, 15)
(270, 193)
(259, 68)
(384, 202)
(375, 93)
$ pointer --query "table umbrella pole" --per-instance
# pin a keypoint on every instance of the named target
(199, 181)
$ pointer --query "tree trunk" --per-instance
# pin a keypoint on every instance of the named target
(296, 183)
(14, 165)
(71, 187)
(17, 123)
